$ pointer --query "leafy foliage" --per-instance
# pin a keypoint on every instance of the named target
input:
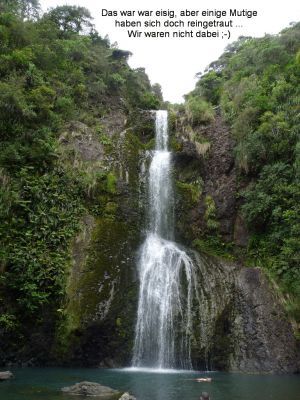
(210, 214)
(70, 19)
(54, 68)
(36, 229)
(198, 111)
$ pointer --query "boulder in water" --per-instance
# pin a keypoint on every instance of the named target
(5, 375)
(127, 396)
(92, 389)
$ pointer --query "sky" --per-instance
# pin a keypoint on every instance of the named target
(174, 62)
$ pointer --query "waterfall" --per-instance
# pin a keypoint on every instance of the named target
(166, 273)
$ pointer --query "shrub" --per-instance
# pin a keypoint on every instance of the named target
(198, 111)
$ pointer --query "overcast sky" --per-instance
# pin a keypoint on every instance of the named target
(174, 62)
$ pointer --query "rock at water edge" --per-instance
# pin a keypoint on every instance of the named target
(5, 375)
(127, 396)
(90, 389)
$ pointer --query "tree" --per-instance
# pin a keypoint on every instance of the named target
(156, 89)
(26, 9)
(209, 87)
(118, 54)
(71, 19)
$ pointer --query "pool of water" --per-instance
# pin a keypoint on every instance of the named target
(45, 383)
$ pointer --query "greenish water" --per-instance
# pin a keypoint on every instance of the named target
(45, 383)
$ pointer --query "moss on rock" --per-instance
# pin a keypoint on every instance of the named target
(99, 315)
(102, 292)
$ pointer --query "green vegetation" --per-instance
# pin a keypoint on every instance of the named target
(210, 241)
(175, 145)
(54, 69)
(256, 86)
(108, 234)
(214, 245)
(111, 183)
(198, 110)
(210, 215)
(190, 192)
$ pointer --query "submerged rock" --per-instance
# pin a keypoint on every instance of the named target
(204, 396)
(5, 375)
(91, 389)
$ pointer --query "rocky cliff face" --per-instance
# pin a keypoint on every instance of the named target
(99, 313)
(241, 324)
(239, 321)
(206, 153)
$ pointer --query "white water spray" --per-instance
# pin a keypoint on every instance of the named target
(166, 272)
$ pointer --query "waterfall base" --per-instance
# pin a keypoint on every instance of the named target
(164, 322)
(158, 370)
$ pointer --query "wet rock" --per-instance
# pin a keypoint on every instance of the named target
(101, 286)
(108, 363)
(86, 388)
(127, 396)
(240, 235)
(242, 326)
(217, 171)
(264, 336)
(5, 375)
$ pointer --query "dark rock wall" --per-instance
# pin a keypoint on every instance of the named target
(207, 152)
(241, 324)
(267, 342)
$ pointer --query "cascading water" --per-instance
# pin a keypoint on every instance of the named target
(166, 272)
